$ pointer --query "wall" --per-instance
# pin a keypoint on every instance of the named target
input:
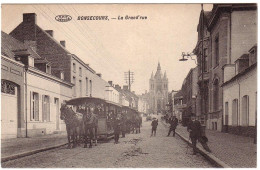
(243, 32)
(14, 72)
(245, 85)
(43, 84)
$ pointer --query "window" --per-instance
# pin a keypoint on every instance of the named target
(205, 64)
(226, 113)
(80, 71)
(74, 67)
(35, 106)
(90, 88)
(245, 111)
(216, 51)
(235, 112)
(74, 87)
(80, 88)
(86, 86)
(216, 95)
(45, 108)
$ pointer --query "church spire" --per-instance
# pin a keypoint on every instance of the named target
(159, 67)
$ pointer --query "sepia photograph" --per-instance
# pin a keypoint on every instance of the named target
(129, 85)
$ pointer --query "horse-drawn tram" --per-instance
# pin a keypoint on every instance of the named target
(93, 118)
(105, 111)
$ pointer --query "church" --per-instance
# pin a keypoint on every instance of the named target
(158, 91)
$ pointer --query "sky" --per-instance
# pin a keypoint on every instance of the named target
(112, 47)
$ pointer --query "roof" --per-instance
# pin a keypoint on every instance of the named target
(178, 94)
(10, 44)
(240, 74)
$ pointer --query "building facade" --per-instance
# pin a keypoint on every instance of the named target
(64, 64)
(158, 91)
(232, 30)
(240, 95)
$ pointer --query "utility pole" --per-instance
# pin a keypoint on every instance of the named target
(129, 78)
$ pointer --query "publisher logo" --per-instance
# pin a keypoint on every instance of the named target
(63, 18)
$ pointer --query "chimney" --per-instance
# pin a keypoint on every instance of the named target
(117, 86)
(133, 92)
(110, 82)
(29, 18)
(63, 43)
(125, 87)
(50, 32)
(99, 74)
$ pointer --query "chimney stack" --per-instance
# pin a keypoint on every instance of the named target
(29, 18)
(110, 82)
(125, 87)
(63, 43)
(117, 86)
(50, 32)
(99, 75)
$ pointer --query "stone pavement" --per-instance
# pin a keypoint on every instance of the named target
(236, 151)
(18, 146)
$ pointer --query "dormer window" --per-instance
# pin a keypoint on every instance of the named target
(31, 61)
(62, 75)
(48, 69)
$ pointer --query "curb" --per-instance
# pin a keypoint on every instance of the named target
(209, 156)
(20, 155)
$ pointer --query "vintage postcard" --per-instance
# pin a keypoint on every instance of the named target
(129, 85)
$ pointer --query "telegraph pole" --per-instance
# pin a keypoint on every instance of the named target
(129, 78)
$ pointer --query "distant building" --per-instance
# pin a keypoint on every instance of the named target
(158, 92)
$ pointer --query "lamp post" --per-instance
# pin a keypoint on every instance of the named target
(189, 55)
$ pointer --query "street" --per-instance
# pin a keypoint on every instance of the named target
(134, 151)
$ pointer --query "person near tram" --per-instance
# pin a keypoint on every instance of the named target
(116, 129)
(154, 126)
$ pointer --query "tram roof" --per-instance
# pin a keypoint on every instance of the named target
(81, 100)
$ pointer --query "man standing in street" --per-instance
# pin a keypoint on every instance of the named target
(194, 128)
(154, 126)
(116, 129)
(173, 124)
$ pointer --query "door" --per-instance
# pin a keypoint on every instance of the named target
(9, 111)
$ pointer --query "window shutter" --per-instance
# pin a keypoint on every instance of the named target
(43, 108)
(37, 108)
(31, 109)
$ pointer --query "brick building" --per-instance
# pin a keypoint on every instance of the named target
(64, 64)
(229, 31)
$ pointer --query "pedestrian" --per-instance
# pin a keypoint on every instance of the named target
(173, 124)
(116, 129)
(123, 125)
(195, 130)
(154, 126)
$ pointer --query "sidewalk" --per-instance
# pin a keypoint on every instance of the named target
(235, 151)
(12, 148)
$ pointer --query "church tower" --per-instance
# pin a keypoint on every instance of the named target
(158, 90)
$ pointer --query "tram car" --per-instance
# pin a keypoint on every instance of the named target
(105, 111)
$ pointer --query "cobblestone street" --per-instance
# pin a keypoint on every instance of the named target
(136, 151)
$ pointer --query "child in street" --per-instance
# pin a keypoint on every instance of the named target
(154, 126)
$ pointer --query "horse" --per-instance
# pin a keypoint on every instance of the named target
(90, 125)
(73, 123)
